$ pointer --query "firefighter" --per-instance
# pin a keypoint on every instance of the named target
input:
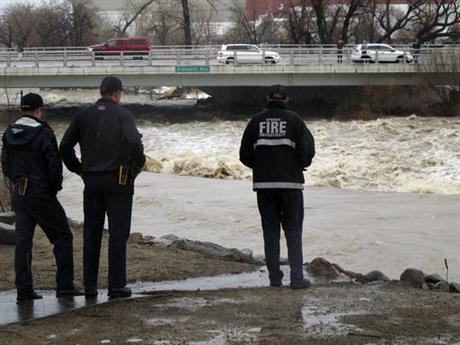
(278, 146)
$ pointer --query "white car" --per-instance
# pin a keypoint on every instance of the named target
(246, 53)
(376, 52)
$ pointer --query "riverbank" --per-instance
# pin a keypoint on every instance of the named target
(146, 262)
(338, 314)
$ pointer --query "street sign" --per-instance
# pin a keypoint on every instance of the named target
(192, 69)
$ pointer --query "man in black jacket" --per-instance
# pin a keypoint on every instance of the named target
(30, 159)
(112, 156)
(278, 147)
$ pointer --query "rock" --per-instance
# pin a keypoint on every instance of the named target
(433, 278)
(169, 237)
(413, 277)
(246, 251)
(213, 250)
(7, 234)
(376, 276)
(320, 267)
(441, 286)
(260, 259)
(7, 218)
(136, 236)
(149, 238)
(454, 287)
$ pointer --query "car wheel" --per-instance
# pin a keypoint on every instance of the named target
(269, 61)
(400, 59)
(366, 59)
(230, 61)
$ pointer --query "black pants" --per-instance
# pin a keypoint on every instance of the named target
(42, 208)
(282, 207)
(103, 195)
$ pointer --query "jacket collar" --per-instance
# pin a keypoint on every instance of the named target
(276, 105)
(106, 100)
(30, 121)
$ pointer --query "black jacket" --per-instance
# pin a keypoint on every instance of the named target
(30, 150)
(278, 147)
(108, 138)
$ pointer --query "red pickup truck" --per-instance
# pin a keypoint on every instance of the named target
(137, 46)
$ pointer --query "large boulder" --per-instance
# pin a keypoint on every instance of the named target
(455, 287)
(413, 277)
(7, 234)
(320, 267)
(376, 276)
(433, 279)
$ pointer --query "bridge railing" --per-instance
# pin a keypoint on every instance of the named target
(199, 55)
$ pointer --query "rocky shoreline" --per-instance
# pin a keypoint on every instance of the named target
(319, 268)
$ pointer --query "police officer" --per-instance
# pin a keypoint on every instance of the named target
(277, 146)
(30, 159)
(112, 155)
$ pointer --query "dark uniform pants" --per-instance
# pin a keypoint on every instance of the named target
(42, 208)
(282, 207)
(103, 195)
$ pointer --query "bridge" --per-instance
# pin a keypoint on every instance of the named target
(301, 66)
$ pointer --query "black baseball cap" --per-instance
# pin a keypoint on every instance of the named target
(31, 101)
(278, 92)
(111, 84)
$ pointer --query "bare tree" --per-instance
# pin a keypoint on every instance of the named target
(391, 19)
(437, 19)
(442, 76)
(135, 9)
(298, 22)
(248, 27)
(18, 23)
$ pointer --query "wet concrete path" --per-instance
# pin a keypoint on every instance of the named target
(11, 312)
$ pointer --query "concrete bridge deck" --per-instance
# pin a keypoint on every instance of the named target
(214, 75)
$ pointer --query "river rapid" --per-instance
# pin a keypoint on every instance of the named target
(410, 154)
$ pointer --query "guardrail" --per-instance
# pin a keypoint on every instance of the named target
(199, 55)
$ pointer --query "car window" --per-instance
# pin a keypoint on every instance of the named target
(112, 43)
(241, 47)
(253, 49)
(137, 42)
(386, 49)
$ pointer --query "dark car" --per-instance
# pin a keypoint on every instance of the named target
(136, 46)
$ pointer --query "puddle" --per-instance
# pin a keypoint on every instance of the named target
(229, 336)
(258, 278)
(319, 321)
(165, 321)
(50, 305)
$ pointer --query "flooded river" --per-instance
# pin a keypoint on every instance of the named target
(348, 219)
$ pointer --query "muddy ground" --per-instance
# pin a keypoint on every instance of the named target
(146, 262)
(325, 314)
(385, 313)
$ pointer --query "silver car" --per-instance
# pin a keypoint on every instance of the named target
(246, 53)
(379, 52)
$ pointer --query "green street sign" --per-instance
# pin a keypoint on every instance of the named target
(192, 69)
